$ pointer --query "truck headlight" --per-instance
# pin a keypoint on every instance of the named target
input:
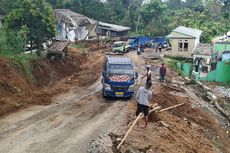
(107, 87)
(131, 87)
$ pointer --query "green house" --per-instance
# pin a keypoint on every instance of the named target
(221, 46)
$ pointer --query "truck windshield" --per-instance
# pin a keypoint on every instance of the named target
(118, 45)
(120, 69)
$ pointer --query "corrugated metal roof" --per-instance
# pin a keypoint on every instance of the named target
(186, 31)
(119, 60)
(113, 27)
(73, 18)
(59, 45)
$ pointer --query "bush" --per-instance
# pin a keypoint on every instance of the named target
(11, 42)
(23, 62)
(173, 65)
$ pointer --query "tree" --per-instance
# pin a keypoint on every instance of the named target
(11, 41)
(131, 15)
(195, 5)
(154, 17)
(37, 17)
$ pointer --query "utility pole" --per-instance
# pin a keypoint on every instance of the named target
(138, 21)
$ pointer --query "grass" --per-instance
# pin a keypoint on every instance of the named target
(173, 65)
(23, 61)
(78, 46)
(217, 143)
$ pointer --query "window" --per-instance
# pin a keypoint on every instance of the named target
(185, 46)
(180, 46)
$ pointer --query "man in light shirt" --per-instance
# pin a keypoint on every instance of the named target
(143, 96)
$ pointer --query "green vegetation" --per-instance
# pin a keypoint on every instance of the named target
(156, 18)
(27, 22)
(174, 66)
(23, 61)
(79, 45)
(178, 64)
(32, 21)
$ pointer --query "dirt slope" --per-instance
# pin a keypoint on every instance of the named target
(50, 77)
(82, 121)
(191, 128)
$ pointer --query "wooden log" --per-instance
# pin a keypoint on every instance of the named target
(173, 88)
(168, 108)
(164, 124)
(127, 133)
(221, 110)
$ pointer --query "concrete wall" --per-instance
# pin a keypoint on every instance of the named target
(220, 74)
(220, 47)
(175, 47)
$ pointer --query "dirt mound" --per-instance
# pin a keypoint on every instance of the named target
(50, 77)
(48, 71)
(183, 129)
(12, 79)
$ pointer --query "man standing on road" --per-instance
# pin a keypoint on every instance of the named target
(144, 94)
(162, 72)
(148, 74)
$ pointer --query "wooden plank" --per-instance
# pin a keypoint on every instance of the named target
(127, 133)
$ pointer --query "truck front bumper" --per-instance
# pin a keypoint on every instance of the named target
(124, 94)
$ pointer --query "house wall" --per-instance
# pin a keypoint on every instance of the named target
(220, 74)
(220, 47)
(105, 32)
(92, 30)
(175, 47)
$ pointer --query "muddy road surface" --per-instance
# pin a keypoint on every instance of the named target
(81, 121)
(66, 126)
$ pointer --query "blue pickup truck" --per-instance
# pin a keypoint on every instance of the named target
(118, 77)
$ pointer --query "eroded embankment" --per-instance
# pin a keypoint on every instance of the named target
(49, 77)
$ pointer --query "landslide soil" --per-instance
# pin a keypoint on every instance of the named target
(81, 115)
(190, 128)
(49, 78)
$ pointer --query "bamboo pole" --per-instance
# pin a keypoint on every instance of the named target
(127, 133)
(141, 116)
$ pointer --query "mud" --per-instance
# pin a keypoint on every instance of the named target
(190, 128)
(82, 121)
(50, 77)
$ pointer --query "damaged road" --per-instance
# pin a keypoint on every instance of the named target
(82, 121)
(68, 125)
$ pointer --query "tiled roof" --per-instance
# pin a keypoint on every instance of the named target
(203, 49)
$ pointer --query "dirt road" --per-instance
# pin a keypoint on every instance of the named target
(82, 121)
(66, 126)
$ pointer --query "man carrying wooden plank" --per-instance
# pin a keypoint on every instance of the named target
(144, 94)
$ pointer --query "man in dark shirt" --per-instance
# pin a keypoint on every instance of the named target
(148, 75)
(162, 72)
